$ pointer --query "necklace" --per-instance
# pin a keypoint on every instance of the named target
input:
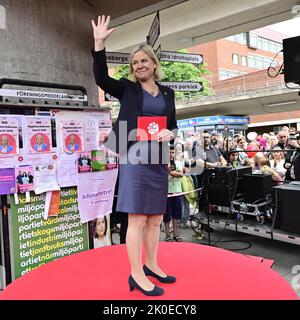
(154, 92)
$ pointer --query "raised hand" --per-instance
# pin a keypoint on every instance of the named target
(101, 31)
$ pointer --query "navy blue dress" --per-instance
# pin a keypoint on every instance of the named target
(143, 187)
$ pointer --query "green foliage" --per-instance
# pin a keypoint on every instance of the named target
(177, 71)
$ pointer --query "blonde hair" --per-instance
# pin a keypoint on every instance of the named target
(158, 74)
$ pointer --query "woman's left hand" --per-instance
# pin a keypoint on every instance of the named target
(165, 135)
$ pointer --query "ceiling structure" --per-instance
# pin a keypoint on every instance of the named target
(187, 23)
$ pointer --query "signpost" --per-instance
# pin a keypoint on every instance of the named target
(117, 57)
(183, 86)
(181, 57)
(154, 31)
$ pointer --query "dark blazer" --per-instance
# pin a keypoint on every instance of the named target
(130, 95)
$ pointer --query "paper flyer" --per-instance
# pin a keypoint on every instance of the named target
(98, 160)
(24, 178)
(38, 133)
(9, 136)
(45, 178)
(67, 173)
(52, 202)
(7, 181)
(91, 133)
(72, 135)
(95, 194)
(84, 162)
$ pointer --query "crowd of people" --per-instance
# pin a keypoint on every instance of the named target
(273, 154)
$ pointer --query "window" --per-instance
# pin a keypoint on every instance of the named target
(244, 61)
(235, 58)
(2, 18)
(226, 74)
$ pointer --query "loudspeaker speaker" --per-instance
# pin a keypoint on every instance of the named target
(291, 59)
(257, 186)
(219, 194)
(290, 210)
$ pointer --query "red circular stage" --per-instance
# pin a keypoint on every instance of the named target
(203, 273)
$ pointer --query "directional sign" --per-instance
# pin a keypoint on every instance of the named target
(181, 57)
(41, 95)
(183, 86)
(154, 31)
(117, 57)
(158, 52)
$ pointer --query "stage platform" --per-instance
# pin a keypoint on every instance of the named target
(203, 273)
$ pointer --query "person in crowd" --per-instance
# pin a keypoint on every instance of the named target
(40, 145)
(73, 145)
(233, 159)
(249, 162)
(265, 168)
(292, 161)
(19, 177)
(213, 156)
(277, 161)
(257, 158)
(282, 139)
(272, 141)
(100, 227)
(143, 187)
(241, 147)
(4, 145)
(174, 204)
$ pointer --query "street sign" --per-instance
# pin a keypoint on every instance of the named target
(154, 31)
(158, 52)
(117, 57)
(183, 86)
(41, 95)
(181, 57)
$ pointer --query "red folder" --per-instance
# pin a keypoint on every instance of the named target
(149, 127)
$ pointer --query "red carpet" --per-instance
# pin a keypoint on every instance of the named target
(203, 273)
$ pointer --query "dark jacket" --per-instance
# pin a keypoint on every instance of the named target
(130, 95)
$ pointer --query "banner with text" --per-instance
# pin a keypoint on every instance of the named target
(36, 241)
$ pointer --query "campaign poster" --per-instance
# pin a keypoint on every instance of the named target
(105, 126)
(7, 181)
(38, 134)
(96, 194)
(101, 231)
(98, 160)
(24, 178)
(9, 136)
(84, 162)
(35, 241)
(72, 134)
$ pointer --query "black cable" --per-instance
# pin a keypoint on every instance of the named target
(271, 67)
(249, 245)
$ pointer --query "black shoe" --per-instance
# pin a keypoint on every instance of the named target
(167, 279)
(156, 291)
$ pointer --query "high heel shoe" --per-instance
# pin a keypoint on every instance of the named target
(156, 291)
(167, 279)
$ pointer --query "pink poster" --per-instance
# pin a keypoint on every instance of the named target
(9, 136)
(39, 135)
(72, 134)
(24, 178)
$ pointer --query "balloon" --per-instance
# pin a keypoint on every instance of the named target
(251, 147)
